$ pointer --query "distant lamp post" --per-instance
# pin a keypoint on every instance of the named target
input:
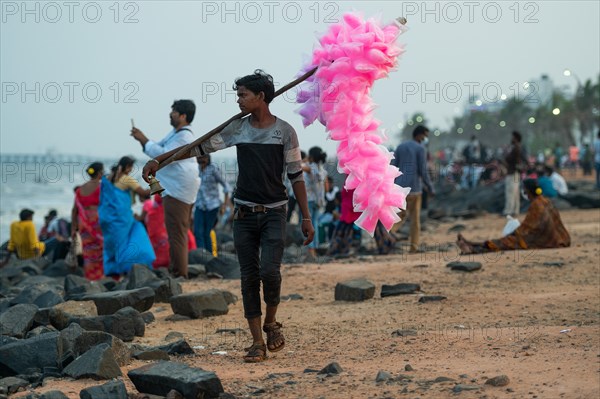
(532, 120)
(556, 111)
(478, 126)
(459, 130)
(502, 123)
(568, 72)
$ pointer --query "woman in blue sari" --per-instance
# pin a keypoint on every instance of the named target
(126, 241)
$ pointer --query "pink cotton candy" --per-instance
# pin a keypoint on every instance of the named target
(351, 55)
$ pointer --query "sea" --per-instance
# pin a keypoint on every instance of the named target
(45, 182)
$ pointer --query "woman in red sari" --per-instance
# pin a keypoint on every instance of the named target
(84, 217)
(542, 228)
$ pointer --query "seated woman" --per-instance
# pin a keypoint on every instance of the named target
(125, 239)
(344, 233)
(542, 228)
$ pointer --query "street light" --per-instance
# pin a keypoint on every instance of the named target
(556, 111)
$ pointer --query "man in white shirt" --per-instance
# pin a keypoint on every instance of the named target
(179, 179)
(558, 182)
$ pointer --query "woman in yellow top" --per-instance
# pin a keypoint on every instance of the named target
(23, 238)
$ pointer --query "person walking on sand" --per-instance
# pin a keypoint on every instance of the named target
(514, 162)
(267, 147)
(410, 158)
(180, 181)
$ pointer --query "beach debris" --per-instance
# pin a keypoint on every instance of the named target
(200, 304)
(331, 369)
(382, 376)
(98, 363)
(110, 390)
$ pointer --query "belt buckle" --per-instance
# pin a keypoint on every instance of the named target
(259, 208)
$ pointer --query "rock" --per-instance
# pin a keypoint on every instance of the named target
(140, 299)
(382, 376)
(225, 265)
(161, 377)
(151, 354)
(61, 269)
(583, 199)
(404, 333)
(75, 341)
(76, 286)
(166, 289)
(229, 297)
(442, 379)
(125, 324)
(431, 298)
(200, 304)
(331, 368)
(42, 317)
(195, 271)
(464, 387)
(292, 297)
(97, 363)
(19, 356)
(354, 290)
(399, 289)
(17, 320)
(48, 395)
(408, 367)
(199, 256)
(180, 347)
(464, 266)
(12, 384)
(293, 235)
(110, 390)
(5, 340)
(41, 295)
(555, 264)
(173, 394)
(148, 317)
(39, 331)
(140, 276)
(228, 247)
(61, 314)
(173, 336)
(498, 381)
(457, 228)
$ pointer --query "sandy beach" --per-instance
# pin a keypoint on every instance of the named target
(530, 315)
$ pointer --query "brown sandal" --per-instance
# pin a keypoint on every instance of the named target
(256, 353)
(274, 334)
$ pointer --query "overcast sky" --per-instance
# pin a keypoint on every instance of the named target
(74, 73)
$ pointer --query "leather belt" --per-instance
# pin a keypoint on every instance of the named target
(258, 208)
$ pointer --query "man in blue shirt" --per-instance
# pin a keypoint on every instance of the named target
(411, 159)
(208, 202)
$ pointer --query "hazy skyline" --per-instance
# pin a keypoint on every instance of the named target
(74, 73)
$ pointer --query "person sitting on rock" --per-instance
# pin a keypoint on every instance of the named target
(542, 228)
(23, 239)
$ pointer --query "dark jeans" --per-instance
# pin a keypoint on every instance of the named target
(259, 239)
(203, 224)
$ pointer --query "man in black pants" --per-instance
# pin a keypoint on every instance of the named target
(267, 147)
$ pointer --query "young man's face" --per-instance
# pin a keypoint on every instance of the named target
(177, 119)
(247, 100)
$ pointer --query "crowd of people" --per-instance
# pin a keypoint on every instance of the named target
(277, 184)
